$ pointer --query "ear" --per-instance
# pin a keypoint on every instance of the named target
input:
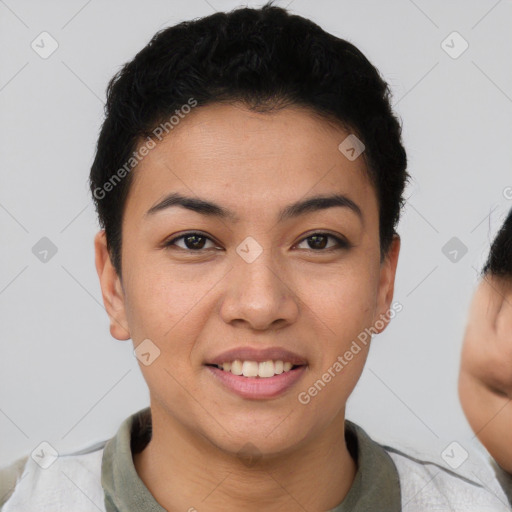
(387, 282)
(111, 289)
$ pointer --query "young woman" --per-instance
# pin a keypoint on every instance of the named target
(248, 179)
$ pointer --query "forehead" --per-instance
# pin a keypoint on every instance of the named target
(247, 159)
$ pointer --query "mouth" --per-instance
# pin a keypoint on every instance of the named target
(254, 369)
(257, 380)
(256, 373)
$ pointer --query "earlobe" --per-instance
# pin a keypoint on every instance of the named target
(387, 283)
(111, 289)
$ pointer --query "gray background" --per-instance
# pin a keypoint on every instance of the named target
(64, 380)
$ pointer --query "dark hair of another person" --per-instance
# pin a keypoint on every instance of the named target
(267, 59)
(499, 261)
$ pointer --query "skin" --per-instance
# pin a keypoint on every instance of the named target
(195, 305)
(485, 378)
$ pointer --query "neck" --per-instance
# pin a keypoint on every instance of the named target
(185, 471)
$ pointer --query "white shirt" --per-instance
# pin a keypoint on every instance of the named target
(103, 478)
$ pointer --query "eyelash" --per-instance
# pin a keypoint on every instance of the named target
(341, 243)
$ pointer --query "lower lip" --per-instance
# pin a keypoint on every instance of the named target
(258, 387)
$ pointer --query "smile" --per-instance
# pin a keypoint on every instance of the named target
(265, 369)
(244, 378)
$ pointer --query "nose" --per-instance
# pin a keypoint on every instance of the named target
(259, 294)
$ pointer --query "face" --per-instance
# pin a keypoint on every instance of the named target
(249, 279)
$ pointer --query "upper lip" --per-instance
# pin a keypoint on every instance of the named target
(257, 354)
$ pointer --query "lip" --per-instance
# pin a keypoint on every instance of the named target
(258, 355)
(257, 388)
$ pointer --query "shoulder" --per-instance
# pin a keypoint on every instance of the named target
(9, 477)
(504, 478)
(466, 482)
(57, 482)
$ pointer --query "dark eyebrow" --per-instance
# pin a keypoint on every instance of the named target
(317, 203)
(204, 207)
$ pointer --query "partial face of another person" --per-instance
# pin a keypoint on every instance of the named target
(250, 273)
(485, 381)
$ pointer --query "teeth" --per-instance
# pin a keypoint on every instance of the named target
(253, 369)
(250, 369)
(236, 367)
(266, 369)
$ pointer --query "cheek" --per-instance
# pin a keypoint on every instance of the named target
(345, 300)
(171, 314)
(159, 303)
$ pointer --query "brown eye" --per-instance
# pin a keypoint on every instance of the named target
(192, 242)
(319, 242)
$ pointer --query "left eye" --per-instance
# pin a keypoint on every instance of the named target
(318, 241)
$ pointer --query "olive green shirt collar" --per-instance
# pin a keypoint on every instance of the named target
(376, 485)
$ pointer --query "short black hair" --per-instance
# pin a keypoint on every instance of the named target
(265, 58)
(499, 261)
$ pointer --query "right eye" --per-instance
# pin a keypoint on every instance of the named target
(193, 241)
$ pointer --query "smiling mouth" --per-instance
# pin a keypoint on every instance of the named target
(253, 369)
